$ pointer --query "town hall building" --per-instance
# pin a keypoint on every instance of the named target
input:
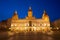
(30, 23)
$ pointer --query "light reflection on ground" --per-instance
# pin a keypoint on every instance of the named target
(29, 36)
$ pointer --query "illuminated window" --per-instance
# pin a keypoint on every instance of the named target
(32, 24)
(34, 28)
(26, 24)
(15, 25)
(12, 25)
(48, 24)
(44, 24)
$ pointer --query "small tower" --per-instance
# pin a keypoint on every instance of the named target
(15, 16)
(30, 12)
(45, 16)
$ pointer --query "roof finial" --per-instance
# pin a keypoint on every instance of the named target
(44, 11)
(15, 12)
(29, 7)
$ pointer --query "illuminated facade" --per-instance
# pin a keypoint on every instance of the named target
(30, 23)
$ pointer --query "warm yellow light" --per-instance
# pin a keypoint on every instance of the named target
(25, 28)
(38, 28)
(15, 25)
(57, 28)
(12, 25)
(43, 27)
(21, 28)
(10, 33)
(34, 28)
(44, 24)
(48, 24)
(9, 28)
(25, 24)
(17, 28)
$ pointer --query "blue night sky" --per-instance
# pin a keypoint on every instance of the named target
(7, 8)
